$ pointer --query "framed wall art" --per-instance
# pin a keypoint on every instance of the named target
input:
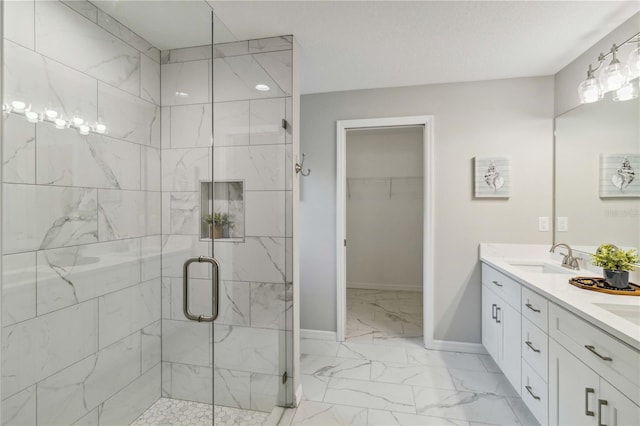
(492, 177)
(619, 175)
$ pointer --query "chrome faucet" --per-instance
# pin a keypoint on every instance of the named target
(568, 261)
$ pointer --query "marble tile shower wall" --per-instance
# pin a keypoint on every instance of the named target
(250, 146)
(82, 238)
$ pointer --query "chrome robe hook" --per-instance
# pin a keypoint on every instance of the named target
(299, 168)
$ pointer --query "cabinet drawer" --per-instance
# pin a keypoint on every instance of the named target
(535, 348)
(535, 308)
(535, 394)
(505, 287)
(615, 361)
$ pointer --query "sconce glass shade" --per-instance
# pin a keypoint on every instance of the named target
(60, 123)
(84, 129)
(51, 114)
(633, 63)
(612, 77)
(18, 106)
(625, 93)
(589, 91)
(32, 117)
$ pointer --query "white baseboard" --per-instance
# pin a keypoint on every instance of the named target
(298, 395)
(382, 286)
(318, 334)
(451, 346)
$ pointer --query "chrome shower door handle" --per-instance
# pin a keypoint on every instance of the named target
(215, 291)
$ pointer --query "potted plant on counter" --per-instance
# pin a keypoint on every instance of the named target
(616, 264)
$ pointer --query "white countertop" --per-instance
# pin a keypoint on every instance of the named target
(557, 289)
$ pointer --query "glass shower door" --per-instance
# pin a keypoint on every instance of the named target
(251, 199)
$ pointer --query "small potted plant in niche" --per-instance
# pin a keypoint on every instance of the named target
(220, 225)
(208, 219)
(616, 264)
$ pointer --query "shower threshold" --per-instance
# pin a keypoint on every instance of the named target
(176, 412)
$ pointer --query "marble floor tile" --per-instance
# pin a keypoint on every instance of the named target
(478, 381)
(335, 367)
(322, 414)
(360, 393)
(380, 338)
(447, 388)
(353, 335)
(524, 415)
(470, 406)
(390, 418)
(489, 364)
(372, 352)
(455, 360)
(418, 375)
(376, 315)
(314, 387)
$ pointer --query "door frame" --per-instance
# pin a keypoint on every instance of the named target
(428, 215)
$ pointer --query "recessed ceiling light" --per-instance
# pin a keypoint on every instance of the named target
(262, 87)
(182, 94)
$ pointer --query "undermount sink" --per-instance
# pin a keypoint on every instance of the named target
(540, 267)
(627, 312)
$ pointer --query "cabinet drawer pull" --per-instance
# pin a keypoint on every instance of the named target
(528, 388)
(593, 350)
(497, 283)
(587, 391)
(493, 311)
(498, 311)
(530, 306)
(601, 402)
(528, 343)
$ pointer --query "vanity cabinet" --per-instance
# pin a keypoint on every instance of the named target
(501, 323)
(567, 370)
(579, 396)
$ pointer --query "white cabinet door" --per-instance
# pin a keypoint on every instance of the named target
(573, 389)
(491, 333)
(511, 349)
(615, 409)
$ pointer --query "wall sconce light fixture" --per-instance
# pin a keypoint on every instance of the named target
(52, 116)
(616, 78)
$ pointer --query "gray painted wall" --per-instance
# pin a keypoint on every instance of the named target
(568, 79)
(512, 117)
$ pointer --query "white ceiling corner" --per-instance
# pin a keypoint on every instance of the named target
(348, 45)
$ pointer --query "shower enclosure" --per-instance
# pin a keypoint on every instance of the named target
(146, 151)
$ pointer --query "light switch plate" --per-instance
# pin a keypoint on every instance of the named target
(563, 224)
(543, 224)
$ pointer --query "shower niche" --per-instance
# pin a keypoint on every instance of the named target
(222, 210)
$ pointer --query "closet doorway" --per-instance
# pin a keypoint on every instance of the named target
(384, 230)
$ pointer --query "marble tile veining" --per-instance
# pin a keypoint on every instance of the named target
(373, 382)
(95, 51)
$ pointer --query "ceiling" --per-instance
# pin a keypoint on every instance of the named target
(347, 45)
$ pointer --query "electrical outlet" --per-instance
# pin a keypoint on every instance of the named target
(543, 224)
(563, 224)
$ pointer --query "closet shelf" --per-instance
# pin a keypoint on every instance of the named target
(407, 187)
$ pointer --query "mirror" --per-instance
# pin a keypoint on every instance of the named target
(597, 181)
